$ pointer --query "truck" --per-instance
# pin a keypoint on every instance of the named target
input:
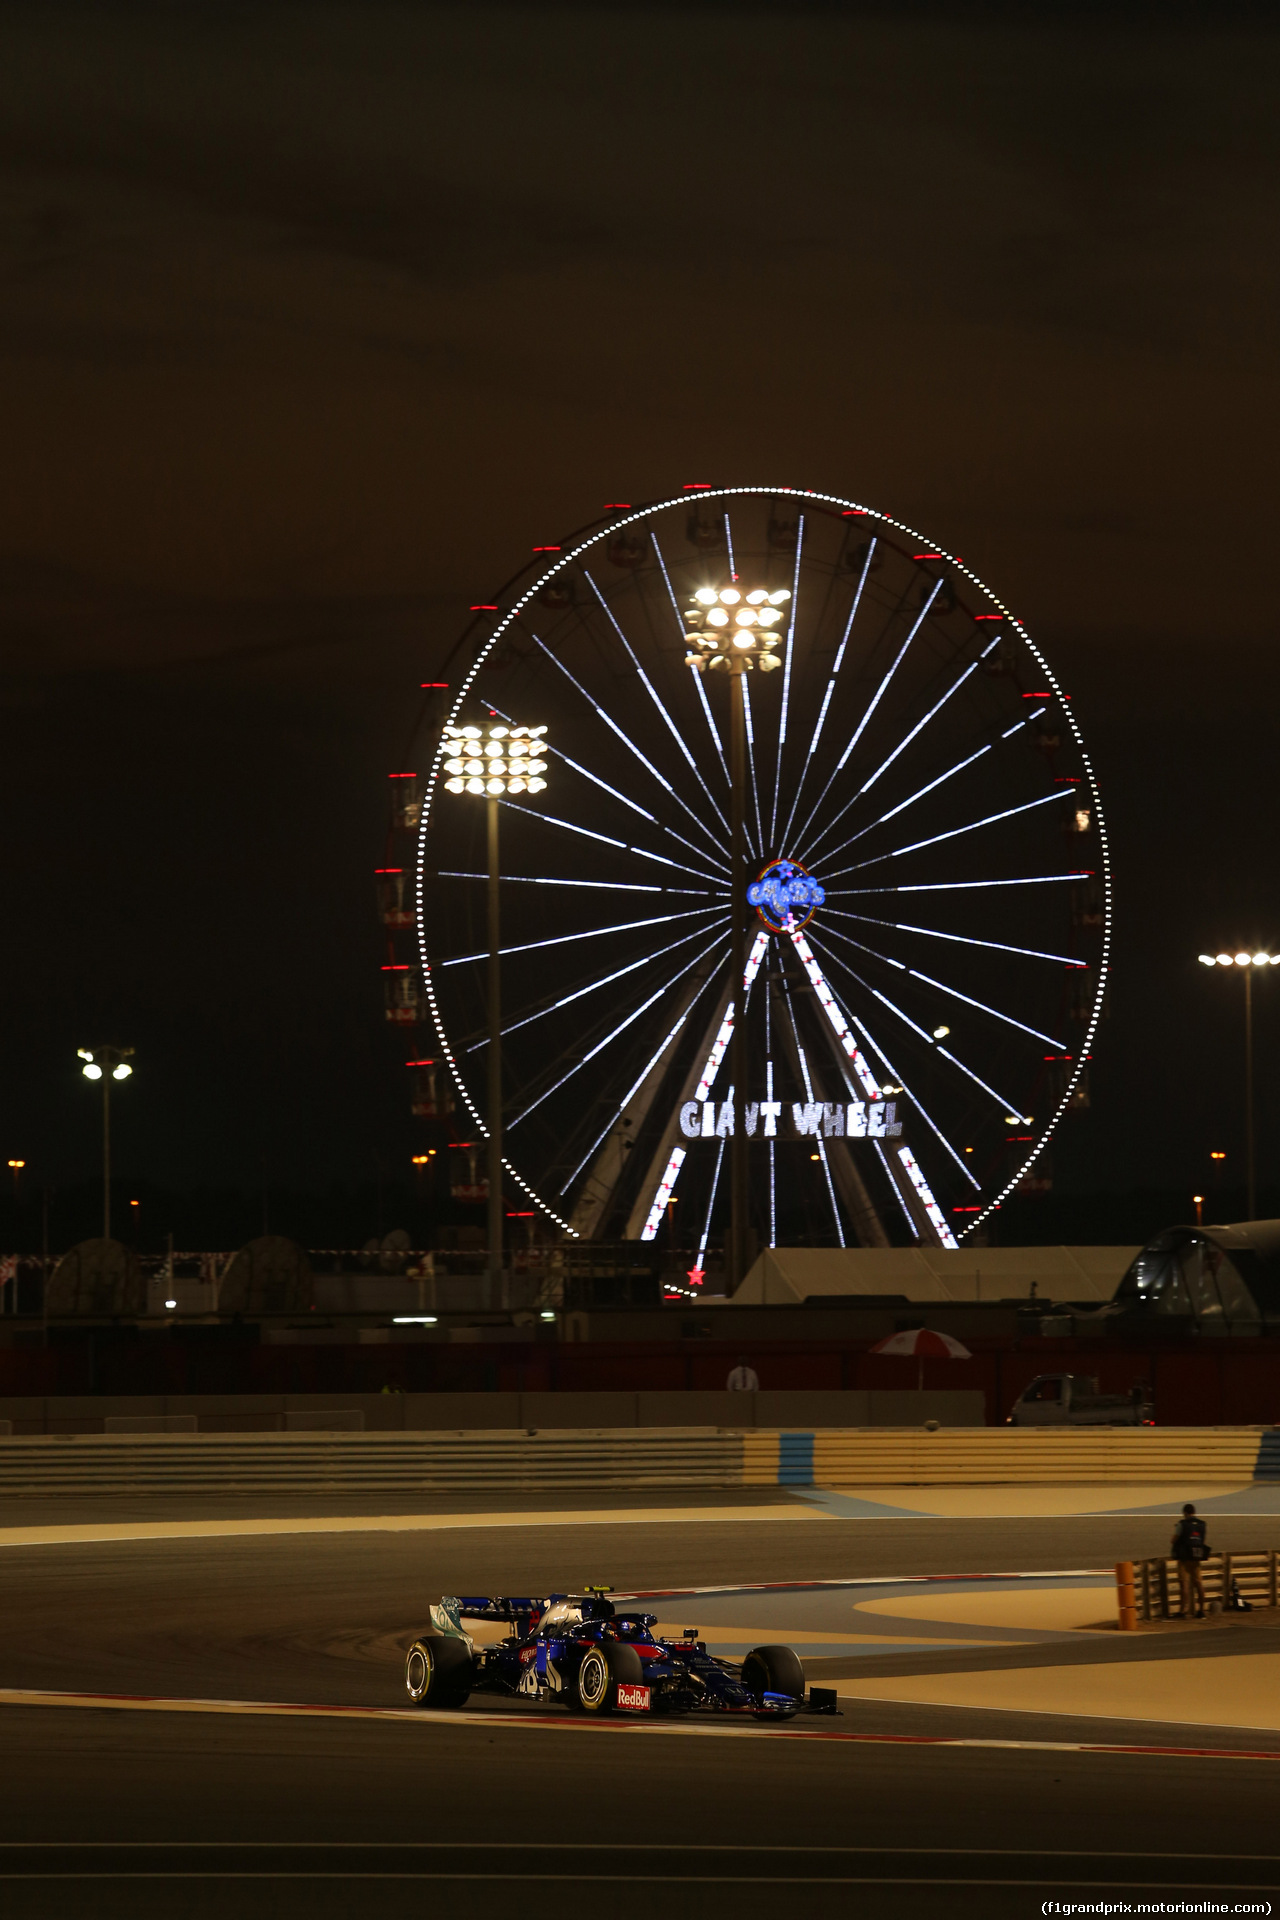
(1073, 1400)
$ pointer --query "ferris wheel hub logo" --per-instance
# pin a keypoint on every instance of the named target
(785, 896)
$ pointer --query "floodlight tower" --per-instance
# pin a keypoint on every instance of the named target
(106, 1064)
(733, 632)
(491, 761)
(1246, 962)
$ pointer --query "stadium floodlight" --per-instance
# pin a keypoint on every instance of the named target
(492, 762)
(1248, 959)
(105, 1064)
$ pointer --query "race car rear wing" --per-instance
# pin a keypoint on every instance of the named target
(498, 1607)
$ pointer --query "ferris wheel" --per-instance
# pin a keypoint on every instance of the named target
(927, 878)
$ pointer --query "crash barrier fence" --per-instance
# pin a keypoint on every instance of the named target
(470, 1412)
(1150, 1590)
(544, 1460)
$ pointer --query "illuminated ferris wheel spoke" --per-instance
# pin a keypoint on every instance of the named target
(592, 986)
(591, 933)
(656, 698)
(640, 1079)
(920, 725)
(697, 677)
(917, 1105)
(786, 680)
(962, 939)
(960, 886)
(728, 541)
(624, 846)
(826, 701)
(626, 740)
(819, 1142)
(954, 993)
(919, 794)
(930, 787)
(862, 725)
(931, 1041)
(758, 849)
(593, 777)
(609, 1038)
(711, 1198)
(1006, 1106)
(1060, 1046)
(539, 880)
(709, 717)
(970, 826)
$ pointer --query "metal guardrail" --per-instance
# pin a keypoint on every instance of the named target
(1149, 1589)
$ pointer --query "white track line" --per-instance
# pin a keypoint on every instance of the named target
(574, 1723)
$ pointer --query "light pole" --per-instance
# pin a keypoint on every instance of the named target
(106, 1064)
(493, 761)
(732, 632)
(1247, 962)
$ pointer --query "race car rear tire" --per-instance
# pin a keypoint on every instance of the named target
(601, 1669)
(774, 1670)
(438, 1671)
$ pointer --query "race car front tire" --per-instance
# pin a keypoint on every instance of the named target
(774, 1670)
(601, 1669)
(438, 1671)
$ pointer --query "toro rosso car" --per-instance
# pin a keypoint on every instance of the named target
(579, 1651)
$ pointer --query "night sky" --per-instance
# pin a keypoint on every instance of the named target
(317, 319)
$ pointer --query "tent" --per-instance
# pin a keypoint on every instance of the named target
(788, 1275)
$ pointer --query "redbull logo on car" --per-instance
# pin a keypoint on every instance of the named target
(633, 1697)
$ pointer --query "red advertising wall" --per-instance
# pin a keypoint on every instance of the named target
(1202, 1383)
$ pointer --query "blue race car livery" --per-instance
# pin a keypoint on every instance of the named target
(579, 1651)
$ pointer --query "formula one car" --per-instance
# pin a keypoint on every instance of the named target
(581, 1652)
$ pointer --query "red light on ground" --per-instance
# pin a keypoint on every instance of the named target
(966, 1209)
(443, 685)
(419, 1063)
(546, 550)
(696, 486)
(530, 1213)
(989, 616)
(617, 506)
(401, 966)
(486, 609)
(928, 556)
(853, 513)
(388, 869)
(402, 776)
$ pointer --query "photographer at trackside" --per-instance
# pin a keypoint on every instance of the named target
(1190, 1547)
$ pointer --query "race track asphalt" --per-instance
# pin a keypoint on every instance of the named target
(109, 1809)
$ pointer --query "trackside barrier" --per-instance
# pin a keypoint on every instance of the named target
(1148, 1589)
(978, 1456)
(549, 1459)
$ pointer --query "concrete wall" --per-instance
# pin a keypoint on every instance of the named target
(477, 1412)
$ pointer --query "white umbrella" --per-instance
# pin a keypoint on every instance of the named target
(926, 1344)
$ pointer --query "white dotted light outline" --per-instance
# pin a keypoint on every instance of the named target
(649, 512)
